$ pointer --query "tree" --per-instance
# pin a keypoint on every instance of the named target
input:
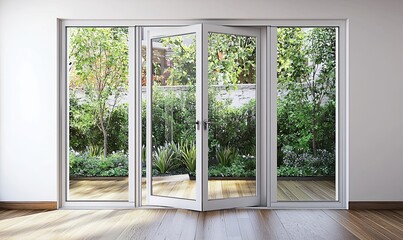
(232, 60)
(98, 59)
(307, 76)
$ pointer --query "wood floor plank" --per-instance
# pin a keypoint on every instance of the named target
(312, 224)
(231, 223)
(246, 227)
(392, 226)
(189, 224)
(214, 226)
(142, 224)
(376, 223)
(201, 227)
(354, 224)
(183, 224)
(275, 228)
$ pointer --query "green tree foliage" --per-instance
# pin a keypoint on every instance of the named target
(183, 60)
(232, 60)
(98, 59)
(307, 86)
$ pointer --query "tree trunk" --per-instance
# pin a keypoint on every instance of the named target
(313, 130)
(104, 132)
(105, 143)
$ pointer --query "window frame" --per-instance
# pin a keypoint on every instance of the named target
(269, 66)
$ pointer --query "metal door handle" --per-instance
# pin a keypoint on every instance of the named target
(206, 123)
(198, 124)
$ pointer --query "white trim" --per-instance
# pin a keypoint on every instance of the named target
(264, 159)
(194, 204)
(213, 204)
(138, 118)
(132, 150)
(224, 22)
(97, 205)
(344, 130)
(272, 130)
(64, 134)
(341, 122)
(306, 205)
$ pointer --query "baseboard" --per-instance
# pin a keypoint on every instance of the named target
(376, 205)
(29, 205)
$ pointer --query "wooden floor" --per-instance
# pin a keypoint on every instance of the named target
(182, 224)
(180, 186)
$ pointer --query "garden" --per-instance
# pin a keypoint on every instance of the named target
(306, 105)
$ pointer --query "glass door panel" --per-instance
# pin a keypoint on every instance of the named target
(173, 126)
(174, 116)
(232, 115)
(231, 158)
(97, 127)
(306, 114)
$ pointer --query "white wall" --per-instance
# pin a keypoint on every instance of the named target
(28, 82)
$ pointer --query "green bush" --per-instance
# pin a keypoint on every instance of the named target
(164, 158)
(307, 164)
(305, 171)
(84, 132)
(188, 157)
(225, 156)
(240, 167)
(84, 165)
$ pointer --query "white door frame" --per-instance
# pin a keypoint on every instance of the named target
(341, 119)
(214, 204)
(63, 124)
(165, 200)
(268, 200)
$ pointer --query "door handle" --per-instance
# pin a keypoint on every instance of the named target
(206, 123)
(198, 124)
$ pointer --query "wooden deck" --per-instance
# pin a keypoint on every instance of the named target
(182, 187)
(182, 224)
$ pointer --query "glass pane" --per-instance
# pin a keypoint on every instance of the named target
(306, 114)
(232, 116)
(98, 114)
(174, 116)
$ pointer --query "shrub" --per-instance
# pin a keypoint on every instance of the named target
(84, 132)
(225, 156)
(307, 164)
(164, 159)
(188, 152)
(294, 127)
(85, 165)
(238, 168)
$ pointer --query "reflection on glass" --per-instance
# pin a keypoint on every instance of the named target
(306, 114)
(98, 114)
(232, 116)
(174, 116)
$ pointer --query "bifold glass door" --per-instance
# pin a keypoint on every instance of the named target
(204, 117)
(202, 146)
